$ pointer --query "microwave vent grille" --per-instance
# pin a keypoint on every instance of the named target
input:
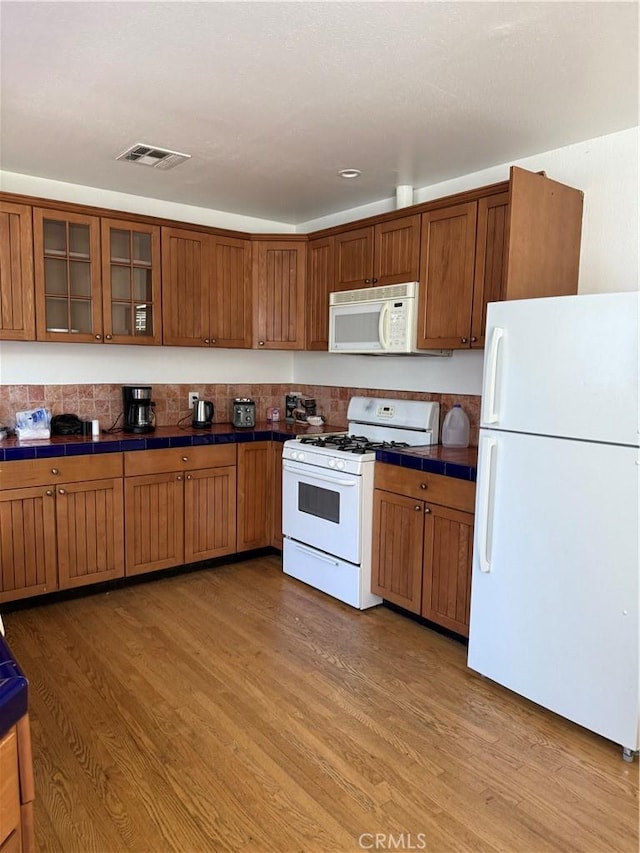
(391, 291)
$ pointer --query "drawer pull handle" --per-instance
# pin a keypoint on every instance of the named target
(423, 485)
(185, 458)
(55, 470)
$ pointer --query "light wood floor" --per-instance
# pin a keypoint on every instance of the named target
(237, 709)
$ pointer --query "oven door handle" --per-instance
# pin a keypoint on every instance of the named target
(324, 558)
(305, 473)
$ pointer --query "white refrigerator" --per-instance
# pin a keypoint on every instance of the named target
(554, 593)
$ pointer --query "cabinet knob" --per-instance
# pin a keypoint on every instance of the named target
(426, 509)
(206, 341)
(55, 470)
(374, 281)
(213, 341)
(417, 508)
(423, 485)
(464, 341)
(189, 477)
(49, 492)
(473, 339)
(61, 492)
(179, 477)
(185, 458)
(260, 343)
(98, 337)
(367, 281)
(108, 337)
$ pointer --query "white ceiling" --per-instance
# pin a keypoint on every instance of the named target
(271, 99)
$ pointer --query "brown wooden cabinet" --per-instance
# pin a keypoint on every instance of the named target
(17, 295)
(519, 244)
(16, 790)
(320, 283)
(276, 494)
(180, 506)
(206, 287)
(422, 544)
(255, 495)
(385, 253)
(58, 529)
(131, 298)
(279, 272)
(66, 249)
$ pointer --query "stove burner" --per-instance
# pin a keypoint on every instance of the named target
(357, 444)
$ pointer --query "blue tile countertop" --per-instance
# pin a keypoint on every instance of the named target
(452, 462)
(14, 689)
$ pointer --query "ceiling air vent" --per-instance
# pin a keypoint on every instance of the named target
(150, 155)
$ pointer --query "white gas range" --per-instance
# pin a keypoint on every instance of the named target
(327, 494)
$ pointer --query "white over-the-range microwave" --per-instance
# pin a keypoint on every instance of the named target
(376, 321)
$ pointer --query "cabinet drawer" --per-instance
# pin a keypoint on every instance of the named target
(59, 469)
(9, 785)
(178, 459)
(433, 488)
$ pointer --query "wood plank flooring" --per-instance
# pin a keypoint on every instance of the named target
(236, 709)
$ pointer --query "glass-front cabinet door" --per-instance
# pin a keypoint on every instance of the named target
(131, 282)
(67, 274)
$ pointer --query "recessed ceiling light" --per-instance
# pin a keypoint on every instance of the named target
(349, 173)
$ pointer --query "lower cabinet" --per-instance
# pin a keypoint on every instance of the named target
(58, 528)
(16, 790)
(422, 544)
(180, 506)
(254, 495)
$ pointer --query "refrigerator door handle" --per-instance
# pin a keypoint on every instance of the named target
(492, 416)
(485, 508)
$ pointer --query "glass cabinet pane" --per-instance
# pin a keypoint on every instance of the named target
(55, 237)
(120, 282)
(120, 245)
(141, 248)
(79, 244)
(57, 314)
(121, 318)
(143, 320)
(55, 277)
(142, 285)
(80, 278)
(81, 316)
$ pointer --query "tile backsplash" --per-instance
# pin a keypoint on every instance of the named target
(105, 401)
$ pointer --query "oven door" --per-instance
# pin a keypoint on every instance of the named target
(321, 508)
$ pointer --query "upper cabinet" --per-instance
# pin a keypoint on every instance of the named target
(94, 291)
(131, 304)
(66, 251)
(279, 269)
(386, 253)
(206, 289)
(17, 317)
(320, 283)
(519, 244)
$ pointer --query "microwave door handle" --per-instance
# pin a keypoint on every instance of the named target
(382, 326)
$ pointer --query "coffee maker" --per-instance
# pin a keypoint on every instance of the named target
(138, 408)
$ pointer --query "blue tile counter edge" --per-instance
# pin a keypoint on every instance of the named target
(221, 434)
(14, 689)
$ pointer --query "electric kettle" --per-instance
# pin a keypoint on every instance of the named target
(202, 414)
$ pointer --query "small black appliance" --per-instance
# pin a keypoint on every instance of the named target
(202, 414)
(138, 408)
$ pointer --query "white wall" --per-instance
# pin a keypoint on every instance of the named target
(606, 169)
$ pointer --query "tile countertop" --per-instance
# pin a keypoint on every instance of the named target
(452, 462)
(14, 689)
